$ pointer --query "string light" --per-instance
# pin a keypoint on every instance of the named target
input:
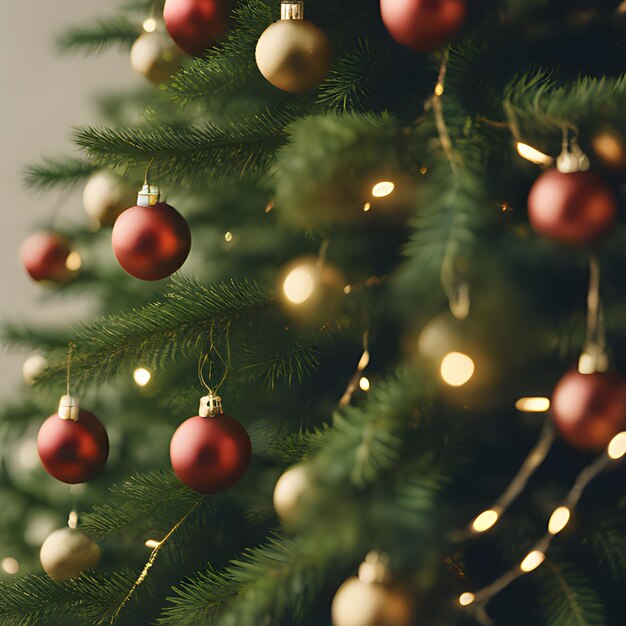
(228, 237)
(10, 565)
(150, 25)
(533, 404)
(367, 206)
(142, 376)
(617, 446)
(364, 384)
(532, 561)
(439, 89)
(73, 261)
(383, 189)
(559, 520)
(485, 521)
(533, 155)
(299, 284)
(467, 598)
(152, 544)
(457, 369)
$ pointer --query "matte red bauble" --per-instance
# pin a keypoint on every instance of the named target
(44, 256)
(423, 25)
(196, 25)
(589, 409)
(151, 242)
(73, 451)
(210, 454)
(577, 207)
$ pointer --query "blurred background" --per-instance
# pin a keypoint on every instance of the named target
(31, 130)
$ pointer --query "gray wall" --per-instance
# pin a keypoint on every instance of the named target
(43, 95)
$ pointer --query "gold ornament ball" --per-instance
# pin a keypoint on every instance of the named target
(357, 603)
(106, 196)
(67, 553)
(294, 55)
(288, 493)
(33, 368)
(155, 56)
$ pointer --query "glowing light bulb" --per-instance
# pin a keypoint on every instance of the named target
(558, 520)
(533, 404)
(439, 89)
(150, 25)
(467, 598)
(457, 369)
(228, 237)
(299, 284)
(383, 188)
(364, 383)
(152, 543)
(142, 376)
(10, 565)
(617, 446)
(72, 520)
(485, 521)
(73, 261)
(367, 206)
(532, 561)
(533, 155)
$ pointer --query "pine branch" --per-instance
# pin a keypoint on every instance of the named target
(230, 65)
(104, 33)
(137, 501)
(568, 597)
(60, 172)
(217, 149)
(608, 540)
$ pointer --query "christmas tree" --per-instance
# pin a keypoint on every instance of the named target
(380, 246)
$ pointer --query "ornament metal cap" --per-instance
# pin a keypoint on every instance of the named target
(290, 10)
(149, 195)
(572, 159)
(210, 406)
(375, 569)
(68, 408)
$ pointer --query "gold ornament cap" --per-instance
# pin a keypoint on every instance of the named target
(290, 10)
(375, 569)
(210, 406)
(68, 408)
(572, 159)
(149, 195)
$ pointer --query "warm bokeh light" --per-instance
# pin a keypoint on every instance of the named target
(72, 520)
(152, 543)
(485, 521)
(533, 155)
(142, 376)
(457, 369)
(73, 261)
(10, 565)
(533, 404)
(439, 89)
(383, 188)
(364, 383)
(367, 206)
(466, 598)
(559, 520)
(228, 236)
(532, 561)
(150, 25)
(617, 447)
(299, 284)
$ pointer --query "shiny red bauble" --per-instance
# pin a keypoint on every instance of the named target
(44, 256)
(196, 25)
(423, 25)
(210, 454)
(151, 242)
(589, 409)
(576, 208)
(73, 451)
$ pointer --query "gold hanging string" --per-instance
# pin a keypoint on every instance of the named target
(594, 356)
(206, 358)
(153, 556)
(354, 381)
(323, 253)
(145, 179)
(71, 346)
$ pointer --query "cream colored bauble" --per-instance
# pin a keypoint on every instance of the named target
(106, 196)
(293, 54)
(33, 368)
(67, 553)
(357, 603)
(288, 493)
(155, 56)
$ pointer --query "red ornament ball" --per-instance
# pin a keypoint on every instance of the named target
(73, 451)
(576, 208)
(196, 25)
(589, 409)
(423, 25)
(44, 256)
(151, 242)
(210, 454)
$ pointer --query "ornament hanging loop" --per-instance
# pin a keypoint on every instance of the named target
(594, 357)
(572, 159)
(149, 194)
(68, 405)
(211, 404)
